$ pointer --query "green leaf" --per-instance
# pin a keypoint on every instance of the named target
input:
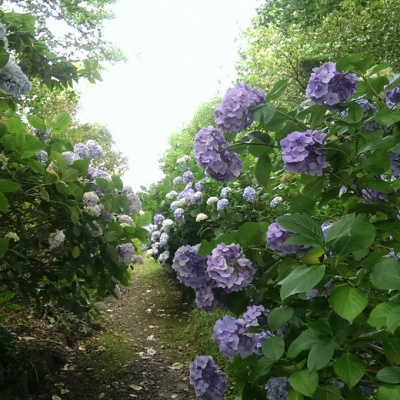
(119, 185)
(277, 90)
(4, 58)
(327, 392)
(349, 369)
(355, 112)
(304, 382)
(348, 302)
(262, 368)
(251, 233)
(3, 246)
(305, 341)
(303, 278)
(7, 186)
(36, 122)
(279, 316)
(303, 204)
(388, 392)
(320, 355)
(143, 219)
(302, 224)
(391, 348)
(386, 274)
(387, 117)
(111, 236)
(293, 395)
(393, 319)
(378, 316)
(3, 202)
(389, 375)
(61, 122)
(273, 348)
(263, 170)
(264, 113)
(340, 228)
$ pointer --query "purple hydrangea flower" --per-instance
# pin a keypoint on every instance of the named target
(190, 267)
(302, 152)
(233, 113)
(371, 196)
(249, 194)
(125, 252)
(221, 204)
(196, 198)
(158, 219)
(211, 154)
(208, 298)
(392, 96)
(70, 157)
(188, 177)
(95, 150)
(155, 236)
(175, 204)
(179, 215)
(225, 191)
(42, 157)
(199, 186)
(394, 163)
(13, 81)
(166, 224)
(209, 382)
(81, 150)
(327, 85)
(135, 205)
(255, 316)
(178, 180)
(278, 388)
(275, 201)
(228, 267)
(125, 219)
(277, 236)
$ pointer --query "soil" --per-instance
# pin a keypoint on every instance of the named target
(134, 355)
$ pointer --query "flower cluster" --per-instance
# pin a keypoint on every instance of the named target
(371, 196)
(278, 388)
(125, 219)
(327, 85)
(42, 157)
(125, 252)
(395, 163)
(209, 382)
(90, 150)
(158, 233)
(212, 154)
(135, 205)
(233, 114)
(277, 236)
(275, 201)
(90, 200)
(179, 215)
(302, 152)
(221, 204)
(392, 96)
(56, 239)
(249, 194)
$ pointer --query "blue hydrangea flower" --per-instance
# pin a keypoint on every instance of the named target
(199, 186)
(95, 150)
(13, 81)
(233, 113)
(225, 191)
(209, 382)
(42, 157)
(302, 152)
(392, 96)
(81, 150)
(135, 205)
(395, 163)
(158, 219)
(178, 180)
(249, 194)
(278, 388)
(188, 177)
(275, 201)
(125, 219)
(70, 157)
(179, 215)
(196, 198)
(221, 204)
(125, 252)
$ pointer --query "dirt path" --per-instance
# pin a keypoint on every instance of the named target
(136, 356)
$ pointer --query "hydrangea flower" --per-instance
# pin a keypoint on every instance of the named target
(178, 180)
(93, 211)
(42, 157)
(3, 36)
(392, 96)
(171, 195)
(302, 152)
(212, 200)
(125, 252)
(56, 239)
(201, 217)
(211, 154)
(199, 186)
(164, 239)
(371, 196)
(163, 257)
(43, 136)
(221, 204)
(176, 204)
(278, 388)
(255, 316)
(196, 198)
(81, 150)
(70, 157)
(395, 163)
(166, 224)
(277, 236)
(249, 194)
(155, 236)
(275, 201)
(209, 382)
(106, 214)
(228, 267)
(12, 236)
(179, 215)
(225, 191)
(327, 85)
(13, 81)
(90, 198)
(188, 177)
(135, 205)
(233, 113)
(183, 159)
(158, 219)
(95, 150)
(125, 219)
(209, 297)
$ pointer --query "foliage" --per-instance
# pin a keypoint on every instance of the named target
(331, 290)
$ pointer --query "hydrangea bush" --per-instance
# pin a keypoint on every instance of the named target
(322, 235)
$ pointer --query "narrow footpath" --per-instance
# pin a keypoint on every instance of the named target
(141, 354)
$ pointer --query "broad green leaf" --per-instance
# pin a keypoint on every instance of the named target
(348, 302)
(387, 392)
(393, 319)
(7, 186)
(279, 316)
(349, 368)
(304, 382)
(386, 274)
(143, 219)
(387, 117)
(3, 202)
(36, 122)
(320, 355)
(262, 368)
(263, 170)
(340, 228)
(389, 375)
(277, 90)
(303, 278)
(391, 348)
(305, 341)
(4, 57)
(273, 348)
(293, 395)
(251, 233)
(327, 392)
(111, 236)
(3, 246)
(378, 315)
(264, 113)
(61, 122)
(314, 256)
(355, 112)
(302, 224)
(119, 185)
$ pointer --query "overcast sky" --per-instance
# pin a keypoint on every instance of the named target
(181, 53)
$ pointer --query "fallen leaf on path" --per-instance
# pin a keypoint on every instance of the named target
(55, 397)
(136, 387)
(63, 391)
(82, 348)
(176, 365)
(101, 395)
(174, 396)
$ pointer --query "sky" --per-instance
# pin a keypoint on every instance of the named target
(181, 53)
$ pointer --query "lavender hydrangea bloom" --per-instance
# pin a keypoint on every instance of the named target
(95, 150)
(277, 236)
(13, 81)
(3, 36)
(175, 204)
(278, 388)
(395, 163)
(392, 96)
(233, 113)
(211, 154)
(221, 204)
(125, 219)
(166, 224)
(275, 201)
(327, 85)
(125, 252)
(190, 267)
(228, 267)
(188, 177)
(208, 381)
(199, 186)
(212, 200)
(135, 205)
(171, 195)
(371, 196)
(249, 194)
(196, 198)
(178, 180)
(155, 236)
(42, 157)
(158, 219)
(208, 298)
(302, 152)
(255, 316)
(225, 191)
(81, 150)
(179, 215)
(70, 157)
(164, 239)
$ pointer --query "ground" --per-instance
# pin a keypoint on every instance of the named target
(140, 351)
